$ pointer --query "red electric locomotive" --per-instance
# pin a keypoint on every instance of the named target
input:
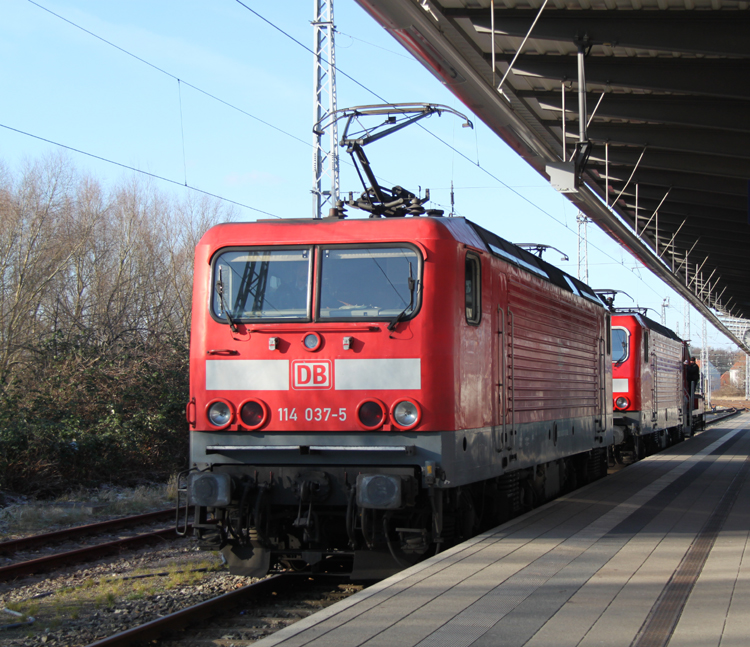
(384, 388)
(649, 384)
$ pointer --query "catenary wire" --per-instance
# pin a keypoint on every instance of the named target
(169, 74)
(305, 47)
(137, 170)
(179, 83)
(385, 49)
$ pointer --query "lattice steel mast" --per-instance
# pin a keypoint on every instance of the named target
(325, 145)
(705, 370)
(583, 247)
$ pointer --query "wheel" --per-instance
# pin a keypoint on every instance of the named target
(639, 448)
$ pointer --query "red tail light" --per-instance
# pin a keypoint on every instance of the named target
(371, 414)
(254, 413)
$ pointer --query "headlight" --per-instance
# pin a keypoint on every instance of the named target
(379, 491)
(254, 413)
(622, 403)
(219, 413)
(371, 414)
(210, 489)
(312, 341)
(406, 413)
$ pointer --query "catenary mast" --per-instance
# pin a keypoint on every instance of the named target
(583, 248)
(325, 145)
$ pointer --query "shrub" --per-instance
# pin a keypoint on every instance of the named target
(117, 420)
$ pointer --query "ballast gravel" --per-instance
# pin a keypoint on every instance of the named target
(79, 605)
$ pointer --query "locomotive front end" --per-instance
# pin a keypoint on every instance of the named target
(307, 409)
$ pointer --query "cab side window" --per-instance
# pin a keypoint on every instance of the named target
(473, 290)
(619, 345)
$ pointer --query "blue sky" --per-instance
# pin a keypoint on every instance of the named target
(68, 86)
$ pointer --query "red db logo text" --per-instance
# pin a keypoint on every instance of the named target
(311, 375)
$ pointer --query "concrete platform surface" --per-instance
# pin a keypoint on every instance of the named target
(656, 554)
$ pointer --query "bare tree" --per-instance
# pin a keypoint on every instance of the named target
(39, 236)
(111, 270)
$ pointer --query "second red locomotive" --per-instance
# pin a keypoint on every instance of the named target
(650, 387)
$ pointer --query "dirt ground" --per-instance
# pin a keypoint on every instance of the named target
(727, 402)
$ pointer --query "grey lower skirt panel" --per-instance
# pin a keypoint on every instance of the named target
(460, 457)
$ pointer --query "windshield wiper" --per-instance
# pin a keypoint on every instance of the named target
(222, 305)
(412, 284)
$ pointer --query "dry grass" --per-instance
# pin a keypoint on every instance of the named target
(82, 507)
(729, 396)
(105, 593)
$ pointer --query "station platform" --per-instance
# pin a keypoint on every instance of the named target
(655, 554)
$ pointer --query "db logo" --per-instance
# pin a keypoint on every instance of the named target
(311, 375)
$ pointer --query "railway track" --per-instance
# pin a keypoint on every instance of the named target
(98, 605)
(213, 610)
(88, 553)
(721, 415)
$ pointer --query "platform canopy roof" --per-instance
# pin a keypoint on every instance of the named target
(663, 163)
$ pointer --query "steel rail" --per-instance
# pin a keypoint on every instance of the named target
(151, 631)
(16, 545)
(52, 562)
(721, 415)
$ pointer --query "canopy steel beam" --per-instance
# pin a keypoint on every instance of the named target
(696, 225)
(692, 232)
(727, 115)
(708, 186)
(674, 138)
(721, 34)
(707, 77)
(688, 196)
(715, 218)
(660, 160)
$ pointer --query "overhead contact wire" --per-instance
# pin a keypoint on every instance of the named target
(169, 74)
(172, 76)
(137, 170)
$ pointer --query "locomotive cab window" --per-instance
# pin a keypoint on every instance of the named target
(253, 284)
(370, 282)
(473, 290)
(620, 345)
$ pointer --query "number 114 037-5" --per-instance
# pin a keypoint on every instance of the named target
(311, 415)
